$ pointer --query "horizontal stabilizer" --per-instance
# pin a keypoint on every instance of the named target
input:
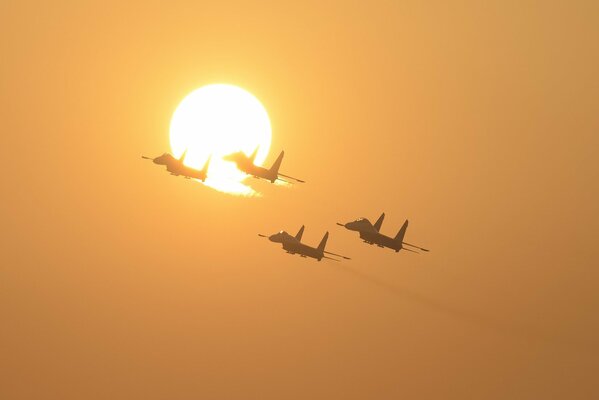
(291, 177)
(410, 250)
(338, 255)
(417, 247)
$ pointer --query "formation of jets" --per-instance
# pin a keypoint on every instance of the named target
(244, 164)
(369, 233)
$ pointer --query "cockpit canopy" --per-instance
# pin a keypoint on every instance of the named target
(361, 224)
(280, 237)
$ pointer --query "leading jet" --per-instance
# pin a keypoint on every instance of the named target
(294, 245)
(176, 167)
(370, 234)
(246, 164)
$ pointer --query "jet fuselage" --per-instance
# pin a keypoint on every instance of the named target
(176, 167)
(246, 165)
(370, 234)
(293, 246)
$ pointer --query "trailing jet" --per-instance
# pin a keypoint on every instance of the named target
(370, 234)
(176, 167)
(293, 245)
(246, 164)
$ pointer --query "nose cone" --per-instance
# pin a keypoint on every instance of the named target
(231, 157)
(159, 160)
(277, 238)
(352, 226)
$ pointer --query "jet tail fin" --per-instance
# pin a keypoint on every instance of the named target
(207, 164)
(182, 158)
(323, 242)
(253, 155)
(299, 234)
(402, 232)
(379, 222)
(275, 167)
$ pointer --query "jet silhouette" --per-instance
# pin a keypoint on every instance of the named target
(176, 167)
(293, 245)
(370, 234)
(246, 164)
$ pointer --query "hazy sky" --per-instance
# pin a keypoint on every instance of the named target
(476, 121)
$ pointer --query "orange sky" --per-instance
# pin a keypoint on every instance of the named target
(477, 122)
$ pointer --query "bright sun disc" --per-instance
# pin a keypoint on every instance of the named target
(219, 120)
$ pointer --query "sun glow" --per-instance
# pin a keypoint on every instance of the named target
(217, 120)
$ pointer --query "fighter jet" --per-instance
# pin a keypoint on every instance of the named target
(370, 234)
(293, 245)
(176, 167)
(246, 164)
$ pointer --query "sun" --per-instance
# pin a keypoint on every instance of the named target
(216, 120)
